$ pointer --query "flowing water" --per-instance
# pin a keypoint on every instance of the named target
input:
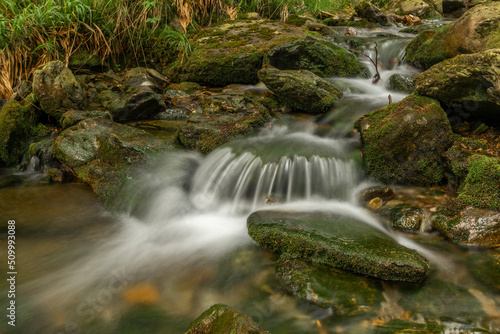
(181, 244)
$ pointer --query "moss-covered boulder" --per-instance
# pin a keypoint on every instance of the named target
(341, 291)
(404, 217)
(221, 319)
(404, 141)
(320, 57)
(367, 10)
(470, 81)
(57, 89)
(73, 117)
(301, 90)
(232, 52)
(471, 227)
(401, 83)
(425, 9)
(476, 31)
(481, 187)
(337, 241)
(220, 118)
(84, 60)
(17, 121)
(101, 152)
(138, 97)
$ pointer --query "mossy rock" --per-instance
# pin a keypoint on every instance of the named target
(370, 12)
(398, 326)
(476, 31)
(322, 58)
(337, 241)
(402, 83)
(481, 187)
(221, 319)
(424, 9)
(468, 80)
(73, 117)
(221, 118)
(57, 89)
(301, 90)
(404, 217)
(346, 294)
(232, 52)
(404, 141)
(101, 152)
(17, 125)
(470, 226)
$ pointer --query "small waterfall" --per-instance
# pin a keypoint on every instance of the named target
(33, 165)
(250, 178)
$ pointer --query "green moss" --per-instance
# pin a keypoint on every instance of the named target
(296, 20)
(342, 242)
(412, 149)
(481, 187)
(472, 144)
(404, 217)
(16, 129)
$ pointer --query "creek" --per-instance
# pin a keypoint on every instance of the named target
(181, 243)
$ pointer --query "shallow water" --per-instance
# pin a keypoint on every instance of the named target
(181, 245)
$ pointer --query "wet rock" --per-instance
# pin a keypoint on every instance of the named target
(471, 81)
(485, 266)
(382, 192)
(416, 29)
(343, 292)
(232, 52)
(301, 90)
(101, 152)
(402, 83)
(475, 31)
(140, 97)
(320, 57)
(57, 89)
(73, 117)
(471, 227)
(404, 141)
(221, 319)
(220, 118)
(370, 12)
(404, 217)
(425, 9)
(481, 187)
(337, 241)
(17, 124)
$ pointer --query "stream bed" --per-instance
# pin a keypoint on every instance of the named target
(181, 243)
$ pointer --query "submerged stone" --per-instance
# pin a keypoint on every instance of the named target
(321, 57)
(221, 319)
(404, 141)
(301, 90)
(337, 241)
(485, 266)
(341, 291)
(469, 81)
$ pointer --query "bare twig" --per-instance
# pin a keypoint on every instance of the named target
(390, 99)
(376, 77)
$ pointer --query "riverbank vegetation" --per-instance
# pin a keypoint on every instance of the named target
(121, 32)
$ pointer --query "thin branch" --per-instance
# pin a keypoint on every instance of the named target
(376, 77)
